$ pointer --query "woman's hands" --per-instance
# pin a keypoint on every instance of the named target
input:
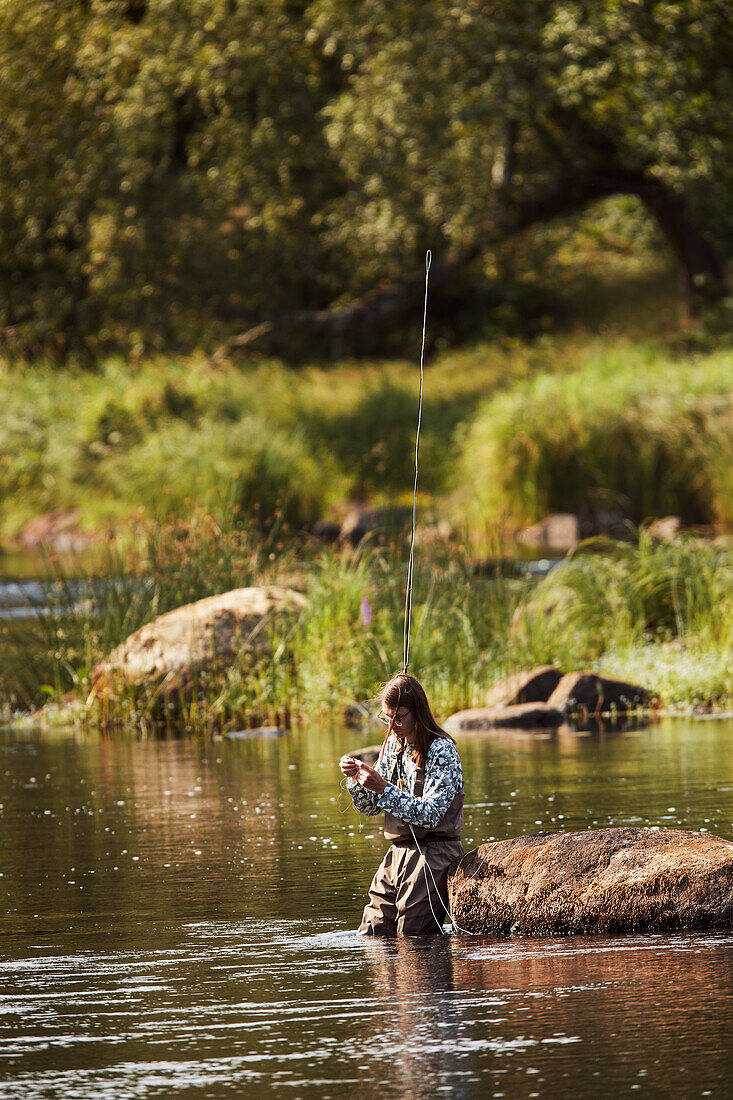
(365, 776)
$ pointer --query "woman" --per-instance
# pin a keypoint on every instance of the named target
(418, 782)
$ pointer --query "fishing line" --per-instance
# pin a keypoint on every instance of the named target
(406, 634)
(408, 593)
(410, 562)
(453, 892)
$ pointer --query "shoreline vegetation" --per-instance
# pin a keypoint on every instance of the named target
(512, 430)
(652, 613)
(197, 480)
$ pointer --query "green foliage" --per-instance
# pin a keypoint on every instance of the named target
(654, 614)
(171, 432)
(172, 172)
(663, 613)
(158, 441)
(562, 423)
(631, 428)
(374, 440)
(156, 167)
(451, 110)
(630, 595)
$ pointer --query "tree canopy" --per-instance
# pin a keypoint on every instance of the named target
(175, 171)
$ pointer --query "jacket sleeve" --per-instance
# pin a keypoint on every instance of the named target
(366, 801)
(443, 780)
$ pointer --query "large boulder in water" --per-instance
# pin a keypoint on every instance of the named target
(603, 880)
(173, 649)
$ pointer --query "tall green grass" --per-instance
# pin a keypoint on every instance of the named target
(655, 613)
(562, 421)
(609, 607)
(633, 429)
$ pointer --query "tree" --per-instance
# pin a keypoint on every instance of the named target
(172, 172)
(462, 124)
(164, 163)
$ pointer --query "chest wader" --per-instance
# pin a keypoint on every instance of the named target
(403, 897)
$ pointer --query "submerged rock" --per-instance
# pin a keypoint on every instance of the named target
(535, 686)
(597, 694)
(603, 880)
(256, 731)
(172, 650)
(523, 716)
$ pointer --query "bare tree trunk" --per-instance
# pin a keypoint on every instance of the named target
(699, 263)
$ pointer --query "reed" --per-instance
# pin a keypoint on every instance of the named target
(658, 614)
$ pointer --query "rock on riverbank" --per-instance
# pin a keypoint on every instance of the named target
(535, 686)
(523, 716)
(602, 880)
(597, 694)
(544, 698)
(170, 651)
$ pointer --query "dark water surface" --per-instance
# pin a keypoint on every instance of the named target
(179, 919)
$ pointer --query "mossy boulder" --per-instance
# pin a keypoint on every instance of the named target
(602, 880)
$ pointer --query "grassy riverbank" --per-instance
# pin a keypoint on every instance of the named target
(658, 614)
(633, 414)
(510, 431)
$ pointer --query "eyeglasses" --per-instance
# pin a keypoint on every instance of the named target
(396, 722)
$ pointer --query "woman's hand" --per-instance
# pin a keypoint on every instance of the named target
(365, 776)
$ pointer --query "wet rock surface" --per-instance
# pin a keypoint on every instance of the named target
(602, 880)
(172, 649)
(523, 716)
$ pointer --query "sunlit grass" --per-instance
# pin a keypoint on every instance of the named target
(632, 428)
(655, 614)
(686, 672)
(511, 428)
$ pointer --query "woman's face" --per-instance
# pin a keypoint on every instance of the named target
(402, 722)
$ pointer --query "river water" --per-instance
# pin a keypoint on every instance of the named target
(179, 922)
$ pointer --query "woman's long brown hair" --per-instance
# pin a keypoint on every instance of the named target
(404, 690)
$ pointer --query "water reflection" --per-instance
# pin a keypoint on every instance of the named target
(413, 982)
(179, 920)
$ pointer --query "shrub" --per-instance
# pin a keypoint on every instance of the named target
(257, 472)
(634, 428)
